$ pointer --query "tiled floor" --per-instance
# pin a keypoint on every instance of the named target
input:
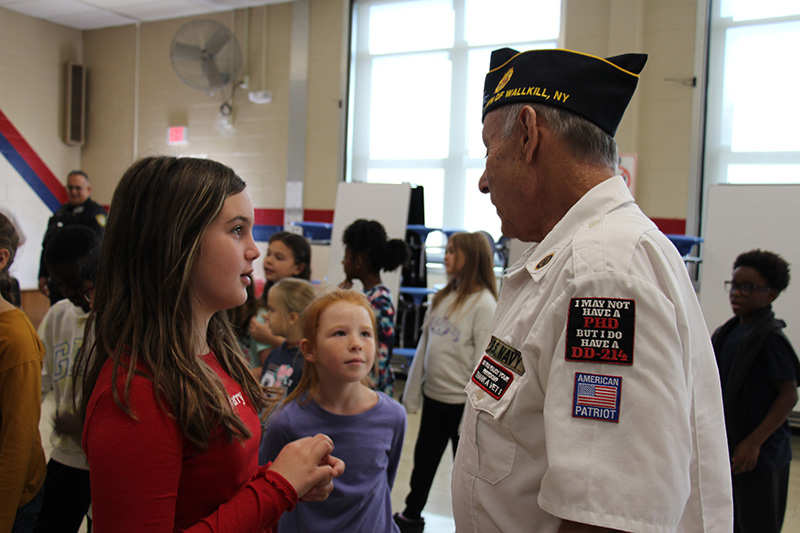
(438, 512)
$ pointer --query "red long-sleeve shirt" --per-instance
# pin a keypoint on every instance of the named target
(145, 476)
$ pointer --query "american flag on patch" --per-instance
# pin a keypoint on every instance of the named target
(597, 396)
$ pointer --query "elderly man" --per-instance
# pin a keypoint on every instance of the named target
(597, 403)
(79, 209)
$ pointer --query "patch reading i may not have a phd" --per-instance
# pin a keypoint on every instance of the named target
(492, 377)
(600, 330)
(597, 397)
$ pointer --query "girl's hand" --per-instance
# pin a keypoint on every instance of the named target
(745, 457)
(261, 332)
(346, 284)
(321, 490)
(308, 466)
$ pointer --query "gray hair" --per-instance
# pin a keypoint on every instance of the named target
(586, 142)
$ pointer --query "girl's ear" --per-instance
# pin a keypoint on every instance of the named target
(308, 351)
(293, 318)
(4, 255)
(298, 268)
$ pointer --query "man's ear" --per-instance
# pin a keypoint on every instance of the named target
(4, 255)
(308, 350)
(528, 123)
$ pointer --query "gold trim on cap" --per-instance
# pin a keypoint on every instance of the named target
(571, 52)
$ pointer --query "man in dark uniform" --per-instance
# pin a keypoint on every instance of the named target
(79, 209)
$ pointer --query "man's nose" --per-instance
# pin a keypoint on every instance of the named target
(483, 183)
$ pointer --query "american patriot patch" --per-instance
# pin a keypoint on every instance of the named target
(600, 330)
(597, 397)
(492, 377)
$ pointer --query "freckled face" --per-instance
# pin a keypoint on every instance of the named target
(344, 350)
(221, 272)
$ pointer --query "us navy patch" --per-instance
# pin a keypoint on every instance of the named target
(597, 397)
(506, 355)
(492, 377)
(600, 330)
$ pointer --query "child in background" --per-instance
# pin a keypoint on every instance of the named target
(368, 251)
(288, 256)
(240, 317)
(284, 364)
(22, 466)
(71, 260)
(759, 372)
(454, 336)
(333, 396)
(169, 408)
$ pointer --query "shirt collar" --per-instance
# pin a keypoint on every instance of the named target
(589, 209)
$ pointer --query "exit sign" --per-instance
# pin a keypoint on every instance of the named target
(177, 135)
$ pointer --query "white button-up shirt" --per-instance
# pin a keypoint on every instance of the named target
(598, 398)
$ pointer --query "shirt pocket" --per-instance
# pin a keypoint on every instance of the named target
(492, 449)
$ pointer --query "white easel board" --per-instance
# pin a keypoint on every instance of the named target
(386, 203)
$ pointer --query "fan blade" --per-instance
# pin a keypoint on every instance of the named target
(186, 51)
(217, 41)
(212, 74)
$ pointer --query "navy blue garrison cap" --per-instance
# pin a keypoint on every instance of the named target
(597, 89)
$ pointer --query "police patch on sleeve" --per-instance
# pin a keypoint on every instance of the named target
(597, 397)
(492, 377)
(601, 330)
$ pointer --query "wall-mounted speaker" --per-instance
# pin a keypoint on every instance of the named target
(75, 106)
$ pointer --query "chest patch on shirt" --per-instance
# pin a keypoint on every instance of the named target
(596, 397)
(600, 330)
(492, 377)
(506, 355)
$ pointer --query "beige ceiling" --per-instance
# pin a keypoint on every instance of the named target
(94, 14)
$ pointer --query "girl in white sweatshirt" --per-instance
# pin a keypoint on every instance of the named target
(454, 336)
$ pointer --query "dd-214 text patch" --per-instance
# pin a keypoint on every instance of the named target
(597, 396)
(600, 330)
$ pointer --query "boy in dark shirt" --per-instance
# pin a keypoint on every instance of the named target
(759, 371)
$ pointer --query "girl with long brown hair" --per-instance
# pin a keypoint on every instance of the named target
(454, 336)
(169, 406)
